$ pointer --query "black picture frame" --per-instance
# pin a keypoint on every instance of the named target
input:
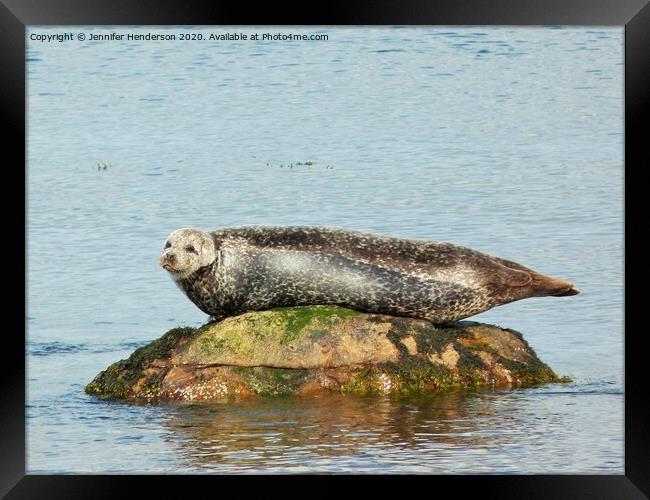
(16, 15)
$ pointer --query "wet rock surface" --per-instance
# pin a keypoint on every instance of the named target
(307, 350)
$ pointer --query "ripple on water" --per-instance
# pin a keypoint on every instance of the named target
(56, 347)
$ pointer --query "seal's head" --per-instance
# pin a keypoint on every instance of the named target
(186, 251)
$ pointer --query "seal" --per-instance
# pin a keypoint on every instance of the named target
(230, 271)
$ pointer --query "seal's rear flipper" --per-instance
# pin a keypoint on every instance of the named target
(544, 285)
(565, 293)
(538, 284)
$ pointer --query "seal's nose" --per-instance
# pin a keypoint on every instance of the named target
(167, 259)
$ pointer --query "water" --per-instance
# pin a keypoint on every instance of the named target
(507, 140)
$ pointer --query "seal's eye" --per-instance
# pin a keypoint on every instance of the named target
(168, 244)
(190, 248)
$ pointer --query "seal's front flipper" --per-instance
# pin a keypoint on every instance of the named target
(213, 319)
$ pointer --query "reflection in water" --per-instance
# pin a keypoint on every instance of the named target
(274, 433)
(536, 430)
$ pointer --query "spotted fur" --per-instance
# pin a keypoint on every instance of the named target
(257, 268)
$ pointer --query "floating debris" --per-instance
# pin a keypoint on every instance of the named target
(302, 164)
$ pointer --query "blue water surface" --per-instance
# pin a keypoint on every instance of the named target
(507, 140)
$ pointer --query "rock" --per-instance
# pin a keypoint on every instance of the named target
(304, 350)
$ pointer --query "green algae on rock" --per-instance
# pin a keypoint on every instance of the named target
(305, 350)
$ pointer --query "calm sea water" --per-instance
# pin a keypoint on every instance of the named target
(507, 140)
